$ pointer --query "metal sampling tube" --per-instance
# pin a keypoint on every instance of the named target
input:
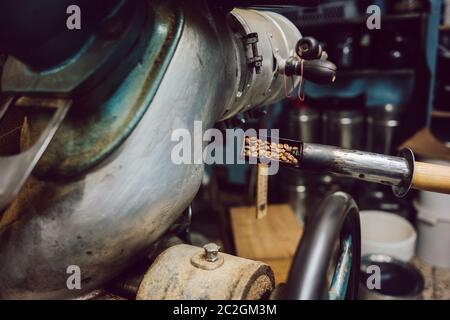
(401, 173)
(367, 166)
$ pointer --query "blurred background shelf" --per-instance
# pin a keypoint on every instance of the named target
(361, 20)
(440, 113)
(376, 72)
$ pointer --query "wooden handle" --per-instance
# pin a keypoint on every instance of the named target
(431, 177)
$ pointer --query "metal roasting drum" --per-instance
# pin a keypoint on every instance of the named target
(106, 189)
(94, 185)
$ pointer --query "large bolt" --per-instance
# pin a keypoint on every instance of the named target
(211, 252)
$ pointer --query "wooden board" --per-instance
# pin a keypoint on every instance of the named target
(280, 268)
(272, 239)
(427, 146)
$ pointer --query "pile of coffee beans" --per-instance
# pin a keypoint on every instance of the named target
(258, 148)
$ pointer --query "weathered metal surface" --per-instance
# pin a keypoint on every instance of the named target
(173, 276)
(277, 37)
(91, 132)
(95, 132)
(89, 66)
(106, 218)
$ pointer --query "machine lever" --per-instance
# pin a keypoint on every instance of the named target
(317, 70)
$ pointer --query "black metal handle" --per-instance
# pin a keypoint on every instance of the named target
(319, 71)
(336, 218)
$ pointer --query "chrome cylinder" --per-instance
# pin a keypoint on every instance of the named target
(304, 124)
(277, 37)
(344, 128)
(372, 167)
(382, 129)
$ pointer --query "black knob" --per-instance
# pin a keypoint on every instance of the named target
(319, 71)
(308, 48)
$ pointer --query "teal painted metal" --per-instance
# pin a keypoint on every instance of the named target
(91, 133)
(338, 288)
(431, 48)
(380, 89)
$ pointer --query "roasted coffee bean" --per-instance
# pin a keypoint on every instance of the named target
(257, 147)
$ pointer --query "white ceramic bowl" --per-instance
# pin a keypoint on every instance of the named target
(436, 203)
(387, 233)
(433, 242)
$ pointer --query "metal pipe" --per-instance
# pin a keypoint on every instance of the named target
(367, 166)
(397, 172)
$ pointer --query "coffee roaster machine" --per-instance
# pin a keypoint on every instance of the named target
(93, 184)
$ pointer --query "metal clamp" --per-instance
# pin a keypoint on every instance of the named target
(402, 189)
(255, 59)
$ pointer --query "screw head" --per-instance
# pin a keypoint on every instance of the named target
(211, 252)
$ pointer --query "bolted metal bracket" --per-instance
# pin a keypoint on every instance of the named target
(254, 59)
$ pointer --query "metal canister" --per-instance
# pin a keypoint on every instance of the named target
(304, 124)
(382, 129)
(344, 128)
(302, 191)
